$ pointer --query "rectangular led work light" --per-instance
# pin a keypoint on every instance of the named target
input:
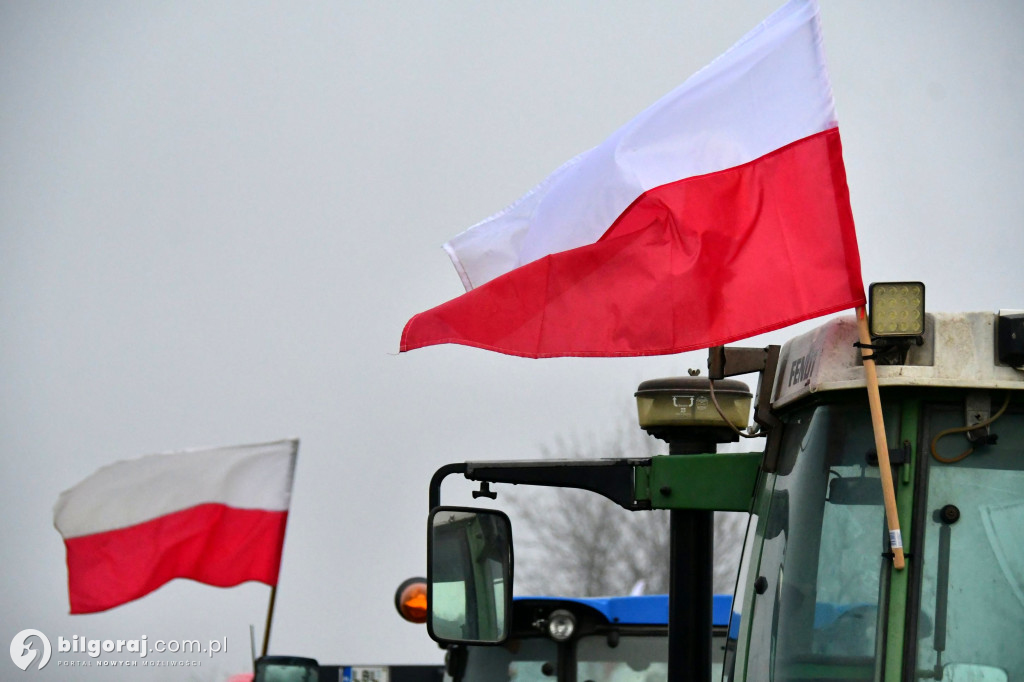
(897, 309)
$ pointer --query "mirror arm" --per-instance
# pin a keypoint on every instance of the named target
(438, 477)
(726, 361)
(612, 478)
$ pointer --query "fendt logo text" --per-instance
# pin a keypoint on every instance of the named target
(22, 653)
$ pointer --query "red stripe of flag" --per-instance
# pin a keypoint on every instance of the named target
(210, 543)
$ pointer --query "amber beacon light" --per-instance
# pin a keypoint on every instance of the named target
(411, 600)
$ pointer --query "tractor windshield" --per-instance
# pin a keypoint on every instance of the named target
(818, 572)
(632, 658)
(531, 659)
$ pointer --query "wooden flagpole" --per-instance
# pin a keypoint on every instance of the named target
(270, 615)
(252, 645)
(273, 588)
(878, 425)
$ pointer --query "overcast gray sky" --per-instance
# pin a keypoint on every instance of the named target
(215, 219)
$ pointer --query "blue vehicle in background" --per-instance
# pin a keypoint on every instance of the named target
(611, 639)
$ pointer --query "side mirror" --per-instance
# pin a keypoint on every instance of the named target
(469, 575)
(286, 669)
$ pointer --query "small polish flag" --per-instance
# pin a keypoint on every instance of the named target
(216, 516)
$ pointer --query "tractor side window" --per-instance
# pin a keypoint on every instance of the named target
(972, 590)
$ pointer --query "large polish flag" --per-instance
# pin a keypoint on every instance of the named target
(720, 212)
(216, 516)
